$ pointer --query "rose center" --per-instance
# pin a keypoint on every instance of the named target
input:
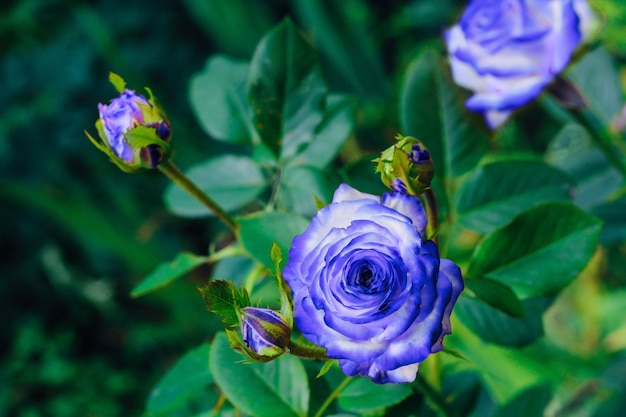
(365, 278)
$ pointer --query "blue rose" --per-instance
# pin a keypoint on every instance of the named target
(120, 117)
(368, 288)
(507, 51)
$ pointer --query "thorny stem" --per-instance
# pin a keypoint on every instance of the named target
(176, 175)
(332, 396)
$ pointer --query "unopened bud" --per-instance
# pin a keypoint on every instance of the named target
(406, 167)
(134, 132)
(265, 332)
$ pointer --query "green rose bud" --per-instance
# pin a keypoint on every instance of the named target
(406, 167)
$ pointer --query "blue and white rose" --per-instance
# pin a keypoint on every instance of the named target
(368, 288)
(507, 51)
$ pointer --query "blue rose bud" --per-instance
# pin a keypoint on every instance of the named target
(134, 132)
(506, 52)
(265, 332)
(368, 288)
(406, 167)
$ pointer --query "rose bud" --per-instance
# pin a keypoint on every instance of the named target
(406, 167)
(265, 332)
(134, 132)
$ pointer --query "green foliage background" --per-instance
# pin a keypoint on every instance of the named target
(77, 234)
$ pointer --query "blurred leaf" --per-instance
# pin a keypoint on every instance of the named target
(540, 251)
(495, 326)
(259, 231)
(495, 193)
(505, 371)
(613, 214)
(573, 151)
(346, 39)
(85, 220)
(531, 402)
(167, 272)
(232, 181)
(235, 25)
(301, 185)
(497, 295)
(225, 299)
(189, 376)
(286, 90)
(596, 76)
(276, 388)
(337, 125)
(361, 174)
(361, 395)
(218, 98)
(432, 110)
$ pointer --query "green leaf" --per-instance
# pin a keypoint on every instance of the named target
(495, 193)
(218, 98)
(494, 326)
(432, 111)
(612, 213)
(301, 185)
(117, 81)
(259, 231)
(232, 181)
(336, 127)
(326, 367)
(286, 302)
(540, 251)
(531, 402)
(225, 299)
(167, 272)
(276, 388)
(286, 90)
(234, 26)
(596, 75)
(573, 151)
(189, 377)
(344, 37)
(497, 295)
(361, 395)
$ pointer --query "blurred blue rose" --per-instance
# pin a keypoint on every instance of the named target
(506, 51)
(123, 115)
(368, 288)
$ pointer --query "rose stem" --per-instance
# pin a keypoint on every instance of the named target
(433, 398)
(430, 201)
(176, 175)
(606, 141)
(307, 351)
(332, 396)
